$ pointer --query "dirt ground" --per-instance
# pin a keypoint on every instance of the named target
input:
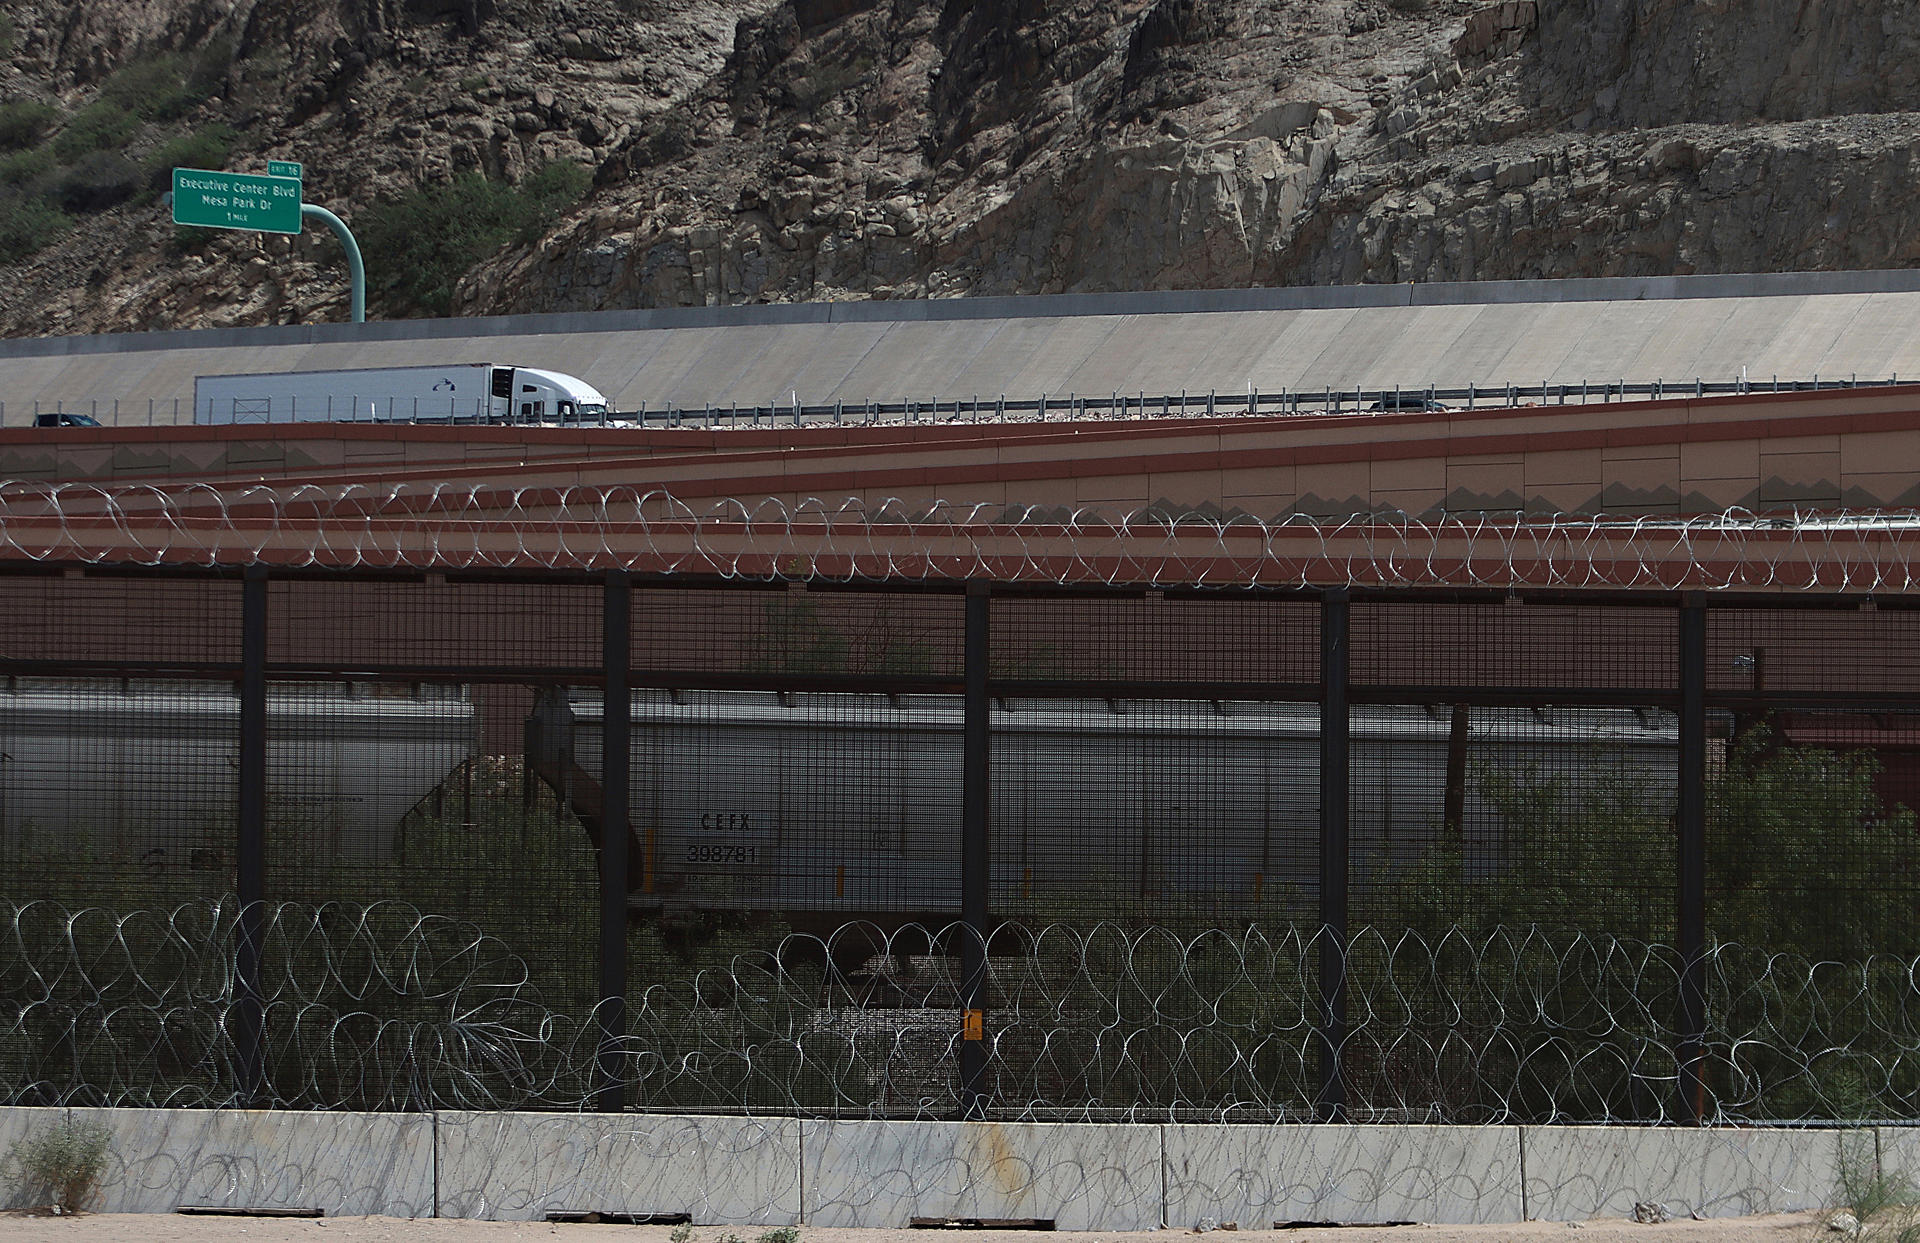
(167, 1228)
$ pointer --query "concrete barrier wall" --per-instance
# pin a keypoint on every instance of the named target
(1257, 1176)
(1080, 1177)
(1576, 1172)
(772, 1172)
(161, 1159)
(523, 1166)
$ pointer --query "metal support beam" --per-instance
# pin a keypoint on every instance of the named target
(975, 856)
(250, 850)
(1335, 611)
(615, 739)
(356, 270)
(1690, 815)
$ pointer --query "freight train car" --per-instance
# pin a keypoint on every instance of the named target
(150, 769)
(842, 802)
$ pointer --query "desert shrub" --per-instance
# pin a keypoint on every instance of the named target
(24, 122)
(63, 1160)
(421, 245)
(154, 88)
(191, 239)
(210, 67)
(98, 181)
(19, 168)
(203, 148)
(6, 35)
(100, 126)
(28, 223)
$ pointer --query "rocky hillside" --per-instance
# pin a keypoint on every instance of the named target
(723, 151)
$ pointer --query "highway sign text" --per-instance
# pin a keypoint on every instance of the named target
(215, 200)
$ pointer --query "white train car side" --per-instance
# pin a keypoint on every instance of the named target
(822, 802)
(149, 770)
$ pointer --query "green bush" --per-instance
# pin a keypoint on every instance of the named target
(190, 239)
(205, 148)
(159, 88)
(63, 1160)
(98, 181)
(18, 168)
(209, 72)
(418, 247)
(28, 223)
(100, 126)
(24, 122)
(6, 35)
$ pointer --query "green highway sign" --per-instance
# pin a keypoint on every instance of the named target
(284, 168)
(236, 201)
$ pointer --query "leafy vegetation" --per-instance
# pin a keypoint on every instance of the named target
(98, 181)
(24, 122)
(18, 168)
(203, 148)
(167, 86)
(419, 246)
(28, 223)
(100, 126)
(63, 1160)
(1885, 1203)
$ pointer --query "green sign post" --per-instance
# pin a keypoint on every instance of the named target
(269, 204)
(213, 200)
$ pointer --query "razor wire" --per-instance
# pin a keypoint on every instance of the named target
(446, 527)
(382, 1007)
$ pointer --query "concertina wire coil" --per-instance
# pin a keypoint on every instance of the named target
(383, 1007)
(652, 532)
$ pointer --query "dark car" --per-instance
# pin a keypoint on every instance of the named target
(58, 419)
(1397, 402)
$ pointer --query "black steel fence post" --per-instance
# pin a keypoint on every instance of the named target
(1334, 628)
(1690, 815)
(616, 735)
(975, 857)
(250, 850)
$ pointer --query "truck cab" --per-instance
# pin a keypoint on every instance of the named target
(552, 397)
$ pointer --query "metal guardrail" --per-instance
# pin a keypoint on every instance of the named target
(1073, 407)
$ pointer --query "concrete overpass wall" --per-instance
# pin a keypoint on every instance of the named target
(1494, 333)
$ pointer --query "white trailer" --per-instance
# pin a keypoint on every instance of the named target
(452, 393)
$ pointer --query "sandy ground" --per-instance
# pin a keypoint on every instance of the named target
(167, 1228)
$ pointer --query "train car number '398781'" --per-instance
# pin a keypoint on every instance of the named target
(723, 852)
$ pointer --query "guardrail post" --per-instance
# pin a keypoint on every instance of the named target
(1334, 631)
(250, 851)
(616, 737)
(975, 856)
(1690, 816)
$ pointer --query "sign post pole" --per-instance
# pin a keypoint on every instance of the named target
(265, 204)
(356, 270)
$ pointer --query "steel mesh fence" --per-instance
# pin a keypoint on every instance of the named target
(1507, 938)
(383, 1007)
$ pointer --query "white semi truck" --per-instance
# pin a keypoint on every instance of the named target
(452, 393)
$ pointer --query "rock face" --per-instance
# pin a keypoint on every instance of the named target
(769, 150)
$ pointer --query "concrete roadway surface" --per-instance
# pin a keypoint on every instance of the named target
(1722, 329)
